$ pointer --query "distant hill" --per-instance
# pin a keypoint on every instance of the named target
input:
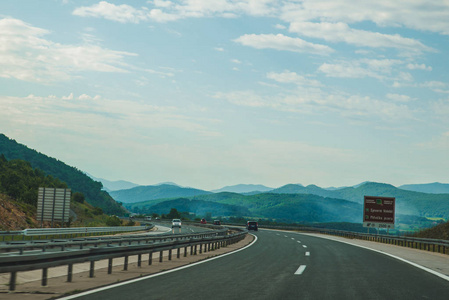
(244, 188)
(289, 208)
(152, 192)
(199, 207)
(430, 188)
(75, 179)
(407, 202)
(110, 186)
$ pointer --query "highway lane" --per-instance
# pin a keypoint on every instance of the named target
(290, 266)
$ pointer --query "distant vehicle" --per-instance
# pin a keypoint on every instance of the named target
(251, 225)
(217, 222)
(176, 223)
(148, 218)
(157, 219)
(203, 221)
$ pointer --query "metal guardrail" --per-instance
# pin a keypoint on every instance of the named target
(70, 231)
(94, 249)
(434, 245)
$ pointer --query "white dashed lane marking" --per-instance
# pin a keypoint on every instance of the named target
(300, 270)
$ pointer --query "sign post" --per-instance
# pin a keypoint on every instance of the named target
(378, 212)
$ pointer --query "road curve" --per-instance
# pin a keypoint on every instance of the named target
(283, 265)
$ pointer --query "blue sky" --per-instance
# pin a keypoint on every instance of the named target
(213, 93)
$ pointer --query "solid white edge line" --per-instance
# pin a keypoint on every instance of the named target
(300, 270)
(445, 277)
(158, 274)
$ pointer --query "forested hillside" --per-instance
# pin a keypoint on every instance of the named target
(21, 182)
(289, 208)
(199, 207)
(75, 179)
(407, 202)
(152, 192)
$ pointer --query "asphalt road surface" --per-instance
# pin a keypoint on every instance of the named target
(289, 266)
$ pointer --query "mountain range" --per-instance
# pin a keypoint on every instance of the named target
(431, 188)
(244, 189)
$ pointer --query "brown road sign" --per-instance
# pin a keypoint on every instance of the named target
(378, 212)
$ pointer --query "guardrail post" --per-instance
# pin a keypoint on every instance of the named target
(44, 276)
(161, 253)
(150, 258)
(194, 253)
(201, 248)
(139, 260)
(110, 266)
(185, 251)
(169, 254)
(92, 269)
(125, 265)
(191, 250)
(70, 273)
(178, 253)
(12, 281)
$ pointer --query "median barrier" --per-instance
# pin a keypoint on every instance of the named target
(72, 231)
(92, 250)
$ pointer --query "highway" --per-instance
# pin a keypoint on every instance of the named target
(281, 265)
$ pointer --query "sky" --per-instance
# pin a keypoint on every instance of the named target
(210, 93)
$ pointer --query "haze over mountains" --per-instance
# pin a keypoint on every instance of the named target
(289, 203)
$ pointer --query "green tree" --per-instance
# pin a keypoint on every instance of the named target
(97, 211)
(78, 197)
(113, 221)
(174, 214)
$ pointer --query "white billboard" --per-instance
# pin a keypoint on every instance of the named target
(53, 204)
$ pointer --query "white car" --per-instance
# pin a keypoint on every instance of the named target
(176, 223)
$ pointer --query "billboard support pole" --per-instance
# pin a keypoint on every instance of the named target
(53, 209)
(42, 215)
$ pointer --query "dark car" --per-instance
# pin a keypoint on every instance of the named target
(203, 221)
(252, 225)
(217, 222)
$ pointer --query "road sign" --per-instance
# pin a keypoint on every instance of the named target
(53, 205)
(378, 212)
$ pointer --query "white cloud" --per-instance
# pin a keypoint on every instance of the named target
(419, 67)
(69, 97)
(283, 43)
(166, 11)
(280, 26)
(162, 3)
(95, 115)
(120, 13)
(341, 32)
(236, 61)
(219, 49)
(436, 86)
(315, 101)
(293, 77)
(161, 74)
(418, 14)
(26, 55)
(376, 68)
(161, 16)
(399, 98)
